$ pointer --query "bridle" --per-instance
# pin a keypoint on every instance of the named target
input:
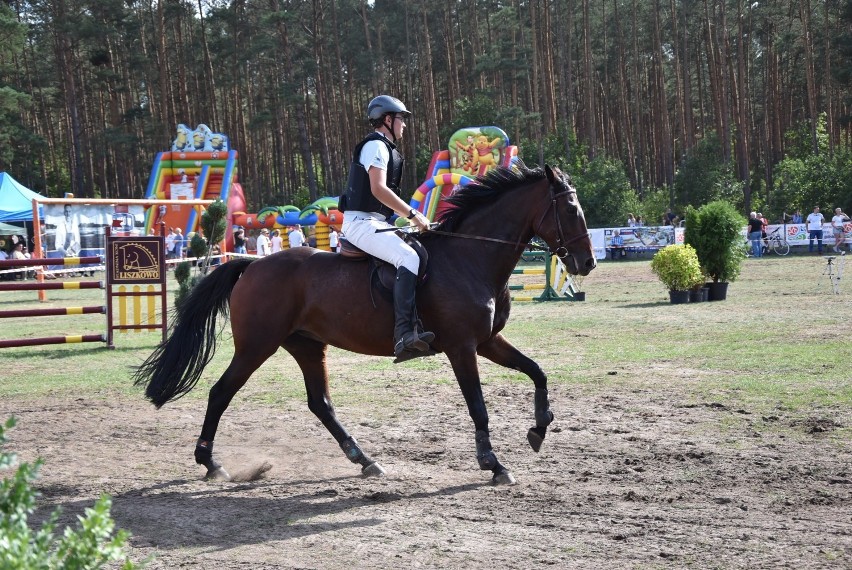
(561, 242)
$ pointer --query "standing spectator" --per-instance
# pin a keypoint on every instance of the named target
(669, 218)
(179, 243)
(755, 234)
(251, 243)
(640, 222)
(276, 242)
(631, 221)
(815, 221)
(170, 244)
(296, 237)
(765, 223)
(333, 240)
(796, 218)
(263, 244)
(239, 239)
(837, 223)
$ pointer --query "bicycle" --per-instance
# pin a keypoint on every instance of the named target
(777, 242)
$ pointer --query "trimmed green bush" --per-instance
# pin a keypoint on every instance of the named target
(677, 267)
(715, 231)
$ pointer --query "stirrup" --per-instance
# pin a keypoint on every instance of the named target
(410, 355)
(415, 343)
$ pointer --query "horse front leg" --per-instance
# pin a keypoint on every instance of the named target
(310, 356)
(467, 375)
(500, 351)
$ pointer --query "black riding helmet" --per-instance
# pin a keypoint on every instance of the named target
(385, 105)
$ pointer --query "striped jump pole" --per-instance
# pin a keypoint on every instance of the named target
(52, 311)
(556, 285)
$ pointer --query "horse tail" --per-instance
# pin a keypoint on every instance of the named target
(175, 366)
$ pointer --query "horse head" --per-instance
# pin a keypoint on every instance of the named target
(562, 225)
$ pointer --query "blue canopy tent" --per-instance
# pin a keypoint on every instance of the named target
(16, 200)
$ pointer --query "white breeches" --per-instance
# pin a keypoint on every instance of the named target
(360, 229)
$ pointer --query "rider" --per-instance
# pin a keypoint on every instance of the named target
(372, 196)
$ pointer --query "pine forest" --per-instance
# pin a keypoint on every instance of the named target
(648, 104)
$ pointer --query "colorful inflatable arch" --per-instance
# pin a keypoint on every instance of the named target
(471, 152)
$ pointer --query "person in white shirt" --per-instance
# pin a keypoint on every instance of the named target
(333, 240)
(276, 241)
(814, 224)
(837, 226)
(263, 244)
(296, 237)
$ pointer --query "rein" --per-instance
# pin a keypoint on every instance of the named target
(561, 250)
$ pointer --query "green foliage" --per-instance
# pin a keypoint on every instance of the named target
(823, 180)
(92, 545)
(605, 193)
(677, 267)
(652, 205)
(559, 149)
(704, 176)
(799, 140)
(182, 276)
(197, 246)
(214, 221)
(714, 230)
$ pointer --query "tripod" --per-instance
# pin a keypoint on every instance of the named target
(833, 271)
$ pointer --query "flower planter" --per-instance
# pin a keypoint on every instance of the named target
(580, 296)
(718, 291)
(679, 297)
(696, 295)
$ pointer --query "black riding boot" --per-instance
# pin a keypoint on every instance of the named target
(409, 342)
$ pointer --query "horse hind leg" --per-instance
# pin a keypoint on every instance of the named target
(220, 396)
(310, 356)
(502, 352)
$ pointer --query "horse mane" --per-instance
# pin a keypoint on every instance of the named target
(485, 189)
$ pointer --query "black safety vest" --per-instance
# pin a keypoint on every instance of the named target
(358, 195)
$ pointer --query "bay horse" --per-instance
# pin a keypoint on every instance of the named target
(464, 299)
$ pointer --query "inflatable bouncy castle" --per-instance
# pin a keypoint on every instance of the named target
(200, 165)
(471, 152)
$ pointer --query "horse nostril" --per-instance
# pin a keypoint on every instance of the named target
(591, 263)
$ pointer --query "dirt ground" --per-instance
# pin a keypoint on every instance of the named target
(634, 479)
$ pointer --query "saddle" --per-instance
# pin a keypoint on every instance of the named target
(383, 274)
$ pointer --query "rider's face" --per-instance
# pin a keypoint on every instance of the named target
(397, 125)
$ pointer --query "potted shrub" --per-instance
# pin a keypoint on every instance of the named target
(715, 231)
(678, 268)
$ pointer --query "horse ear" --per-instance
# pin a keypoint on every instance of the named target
(549, 171)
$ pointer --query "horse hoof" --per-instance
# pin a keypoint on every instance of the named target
(373, 470)
(217, 474)
(503, 478)
(536, 437)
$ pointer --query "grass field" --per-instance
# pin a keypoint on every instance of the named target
(707, 435)
(780, 339)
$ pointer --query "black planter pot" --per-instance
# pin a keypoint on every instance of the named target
(696, 296)
(705, 293)
(580, 296)
(678, 297)
(718, 291)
